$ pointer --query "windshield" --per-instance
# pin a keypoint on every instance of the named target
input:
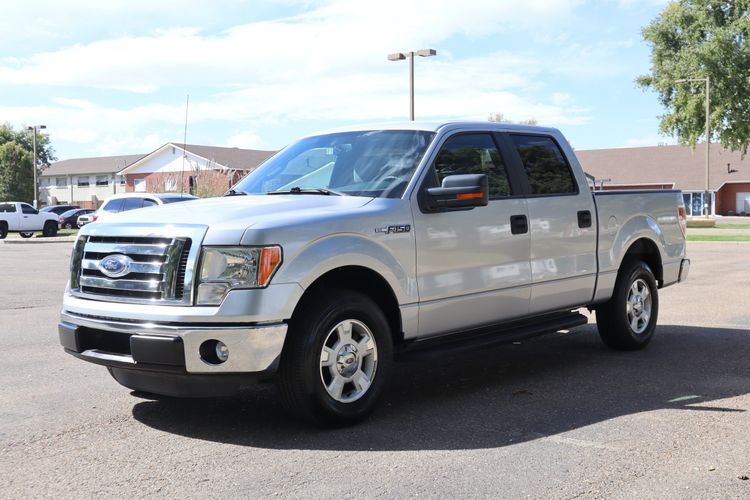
(376, 163)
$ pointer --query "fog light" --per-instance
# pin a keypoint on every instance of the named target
(214, 352)
(222, 351)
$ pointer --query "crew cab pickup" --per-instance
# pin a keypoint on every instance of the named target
(18, 217)
(350, 249)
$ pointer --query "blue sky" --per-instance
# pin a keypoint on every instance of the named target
(112, 77)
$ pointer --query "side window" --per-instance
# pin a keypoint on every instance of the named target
(474, 154)
(113, 206)
(132, 204)
(545, 165)
(28, 209)
(149, 203)
(7, 208)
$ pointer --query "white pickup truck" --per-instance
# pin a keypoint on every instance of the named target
(18, 217)
(351, 249)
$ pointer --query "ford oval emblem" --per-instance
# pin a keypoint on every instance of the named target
(115, 265)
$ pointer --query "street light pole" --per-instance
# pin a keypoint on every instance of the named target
(707, 194)
(399, 56)
(35, 129)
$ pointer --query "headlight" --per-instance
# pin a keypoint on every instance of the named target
(227, 268)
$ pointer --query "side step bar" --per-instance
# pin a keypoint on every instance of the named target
(490, 336)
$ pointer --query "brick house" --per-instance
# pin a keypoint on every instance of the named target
(677, 167)
(202, 170)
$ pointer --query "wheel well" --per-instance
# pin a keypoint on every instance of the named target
(363, 280)
(647, 251)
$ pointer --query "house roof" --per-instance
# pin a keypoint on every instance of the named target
(97, 165)
(235, 158)
(681, 165)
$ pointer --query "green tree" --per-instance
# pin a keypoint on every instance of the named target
(699, 39)
(499, 117)
(16, 159)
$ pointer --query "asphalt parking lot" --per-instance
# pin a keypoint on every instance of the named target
(557, 417)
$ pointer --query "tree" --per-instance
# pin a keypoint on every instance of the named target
(696, 39)
(16, 159)
(499, 117)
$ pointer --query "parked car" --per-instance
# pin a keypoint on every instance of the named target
(355, 248)
(58, 209)
(69, 219)
(22, 218)
(131, 201)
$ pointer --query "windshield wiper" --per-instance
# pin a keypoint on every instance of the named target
(300, 190)
(234, 192)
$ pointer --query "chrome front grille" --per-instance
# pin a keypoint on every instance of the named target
(157, 269)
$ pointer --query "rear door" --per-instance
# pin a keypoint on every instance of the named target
(472, 267)
(562, 221)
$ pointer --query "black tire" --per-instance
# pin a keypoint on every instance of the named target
(68, 225)
(616, 317)
(302, 380)
(3, 231)
(26, 234)
(50, 229)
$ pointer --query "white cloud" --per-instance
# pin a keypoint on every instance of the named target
(248, 139)
(327, 63)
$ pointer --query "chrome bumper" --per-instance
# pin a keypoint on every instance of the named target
(138, 345)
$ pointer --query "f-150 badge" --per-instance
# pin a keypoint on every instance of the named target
(401, 228)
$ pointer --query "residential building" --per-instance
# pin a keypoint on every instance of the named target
(83, 181)
(677, 167)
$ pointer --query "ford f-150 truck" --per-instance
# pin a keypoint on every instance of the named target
(19, 217)
(351, 249)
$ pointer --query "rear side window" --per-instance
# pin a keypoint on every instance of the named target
(546, 168)
(132, 204)
(113, 205)
(473, 154)
(8, 207)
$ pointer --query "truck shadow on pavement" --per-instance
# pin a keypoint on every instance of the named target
(493, 398)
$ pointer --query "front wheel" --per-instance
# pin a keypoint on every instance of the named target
(628, 320)
(50, 229)
(336, 359)
(68, 225)
(26, 234)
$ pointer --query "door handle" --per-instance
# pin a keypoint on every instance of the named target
(519, 224)
(584, 218)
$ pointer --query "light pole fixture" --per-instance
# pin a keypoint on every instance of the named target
(707, 81)
(399, 56)
(35, 129)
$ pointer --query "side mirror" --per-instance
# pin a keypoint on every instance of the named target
(458, 192)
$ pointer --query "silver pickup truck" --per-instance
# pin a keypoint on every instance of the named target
(351, 249)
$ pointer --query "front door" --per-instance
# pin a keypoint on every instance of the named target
(472, 269)
(30, 219)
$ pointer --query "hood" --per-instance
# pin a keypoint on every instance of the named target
(229, 216)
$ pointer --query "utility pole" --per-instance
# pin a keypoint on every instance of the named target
(35, 129)
(707, 193)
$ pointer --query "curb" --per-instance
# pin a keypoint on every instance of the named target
(33, 241)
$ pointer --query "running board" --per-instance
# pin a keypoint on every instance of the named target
(484, 337)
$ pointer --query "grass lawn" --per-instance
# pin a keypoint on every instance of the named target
(718, 237)
(732, 226)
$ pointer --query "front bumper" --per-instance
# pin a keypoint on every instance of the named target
(171, 347)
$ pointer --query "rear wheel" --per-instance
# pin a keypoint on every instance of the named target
(26, 234)
(50, 229)
(3, 231)
(628, 320)
(68, 225)
(336, 359)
